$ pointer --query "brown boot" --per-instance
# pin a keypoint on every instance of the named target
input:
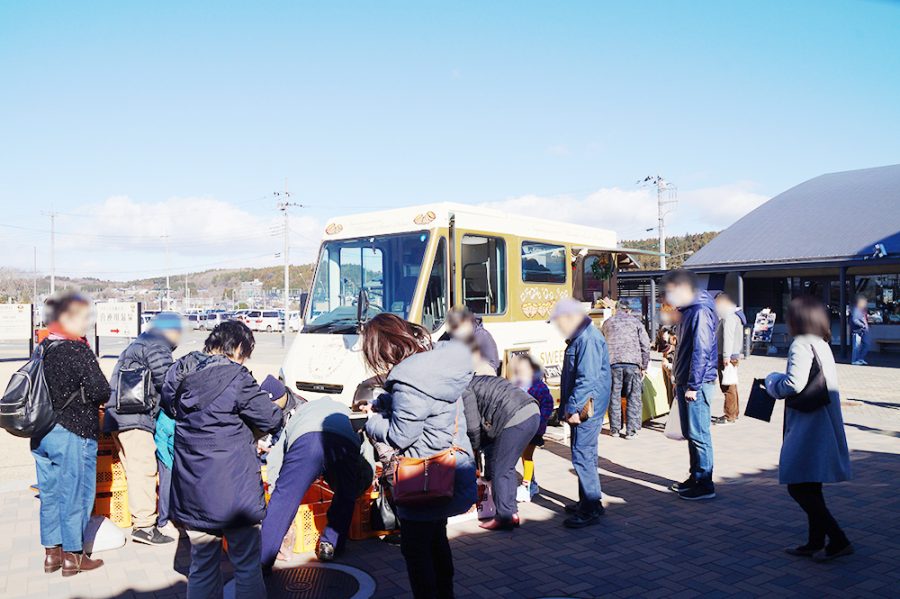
(73, 563)
(52, 559)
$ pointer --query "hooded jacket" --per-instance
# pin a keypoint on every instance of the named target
(216, 479)
(586, 372)
(152, 351)
(421, 413)
(696, 355)
(490, 402)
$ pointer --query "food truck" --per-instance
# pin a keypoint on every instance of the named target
(417, 262)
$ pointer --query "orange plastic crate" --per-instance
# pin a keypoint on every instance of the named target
(361, 525)
(110, 472)
(114, 505)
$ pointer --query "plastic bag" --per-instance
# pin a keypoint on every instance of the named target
(102, 535)
(729, 375)
(673, 423)
(485, 504)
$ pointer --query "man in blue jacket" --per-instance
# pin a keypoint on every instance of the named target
(696, 361)
(583, 401)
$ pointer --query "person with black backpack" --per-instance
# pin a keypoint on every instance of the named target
(66, 456)
(131, 415)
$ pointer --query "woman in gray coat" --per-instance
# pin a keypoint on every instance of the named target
(421, 414)
(814, 450)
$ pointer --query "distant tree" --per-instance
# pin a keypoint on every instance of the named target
(679, 248)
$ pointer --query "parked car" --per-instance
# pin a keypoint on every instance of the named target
(193, 320)
(213, 319)
(263, 320)
(295, 323)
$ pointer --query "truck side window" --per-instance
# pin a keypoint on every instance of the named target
(484, 274)
(543, 262)
(434, 307)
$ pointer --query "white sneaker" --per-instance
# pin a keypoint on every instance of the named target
(523, 493)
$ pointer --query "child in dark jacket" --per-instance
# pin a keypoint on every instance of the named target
(526, 373)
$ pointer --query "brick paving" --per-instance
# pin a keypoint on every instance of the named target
(650, 544)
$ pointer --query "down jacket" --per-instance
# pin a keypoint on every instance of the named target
(490, 402)
(216, 480)
(696, 355)
(151, 350)
(421, 413)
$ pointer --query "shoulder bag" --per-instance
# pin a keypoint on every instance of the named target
(425, 482)
(815, 394)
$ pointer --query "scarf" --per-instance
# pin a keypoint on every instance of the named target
(57, 333)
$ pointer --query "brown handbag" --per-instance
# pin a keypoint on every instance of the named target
(423, 482)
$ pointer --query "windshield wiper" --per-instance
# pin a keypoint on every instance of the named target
(339, 324)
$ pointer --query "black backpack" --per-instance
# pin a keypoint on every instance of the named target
(26, 409)
(134, 391)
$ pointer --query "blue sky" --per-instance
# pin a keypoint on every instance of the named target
(169, 118)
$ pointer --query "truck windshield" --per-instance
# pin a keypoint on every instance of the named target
(386, 266)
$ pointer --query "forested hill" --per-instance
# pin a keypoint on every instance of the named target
(676, 247)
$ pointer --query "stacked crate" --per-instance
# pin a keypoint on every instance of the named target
(112, 490)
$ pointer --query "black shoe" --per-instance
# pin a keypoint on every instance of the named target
(802, 550)
(682, 486)
(613, 433)
(150, 536)
(830, 553)
(581, 519)
(571, 508)
(325, 551)
(698, 493)
(630, 436)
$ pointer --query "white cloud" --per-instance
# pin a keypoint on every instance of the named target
(120, 236)
(630, 212)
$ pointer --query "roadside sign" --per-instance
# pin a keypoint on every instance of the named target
(118, 319)
(15, 322)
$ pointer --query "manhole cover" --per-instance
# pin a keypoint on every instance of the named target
(311, 582)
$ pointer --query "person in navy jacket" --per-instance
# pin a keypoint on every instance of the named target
(583, 400)
(217, 489)
(695, 374)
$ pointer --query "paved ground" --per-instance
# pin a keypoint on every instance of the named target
(650, 544)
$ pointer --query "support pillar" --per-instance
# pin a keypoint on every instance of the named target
(843, 311)
(653, 324)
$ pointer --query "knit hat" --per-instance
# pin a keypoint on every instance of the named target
(273, 387)
(166, 321)
(565, 306)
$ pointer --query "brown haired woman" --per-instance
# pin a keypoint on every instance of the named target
(814, 450)
(421, 414)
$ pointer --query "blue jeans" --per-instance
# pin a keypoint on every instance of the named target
(67, 482)
(508, 448)
(860, 345)
(695, 428)
(583, 443)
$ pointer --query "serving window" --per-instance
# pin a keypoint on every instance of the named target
(543, 262)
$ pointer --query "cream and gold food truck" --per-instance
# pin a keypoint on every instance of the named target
(418, 262)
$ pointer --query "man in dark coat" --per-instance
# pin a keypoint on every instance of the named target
(217, 490)
(151, 353)
(629, 354)
(464, 326)
(583, 400)
(695, 373)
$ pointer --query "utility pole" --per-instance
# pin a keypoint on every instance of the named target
(168, 301)
(52, 214)
(34, 297)
(665, 195)
(283, 205)
(187, 292)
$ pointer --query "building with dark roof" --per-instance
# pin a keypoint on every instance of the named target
(834, 236)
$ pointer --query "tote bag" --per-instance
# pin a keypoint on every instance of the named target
(673, 423)
(729, 375)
